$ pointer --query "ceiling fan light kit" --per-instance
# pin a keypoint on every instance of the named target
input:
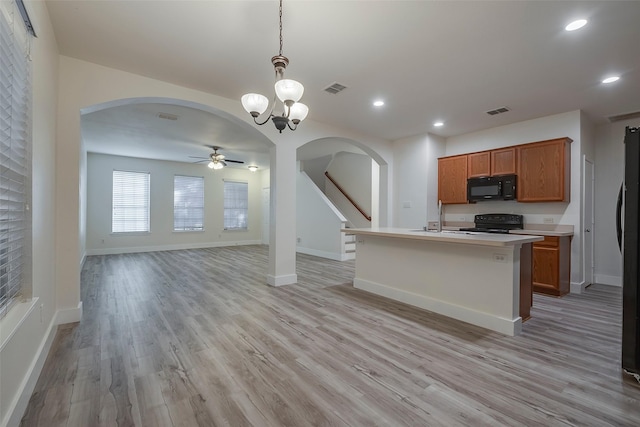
(288, 91)
(216, 160)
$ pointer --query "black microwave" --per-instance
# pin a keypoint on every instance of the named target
(491, 188)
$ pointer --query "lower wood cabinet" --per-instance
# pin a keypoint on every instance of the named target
(552, 265)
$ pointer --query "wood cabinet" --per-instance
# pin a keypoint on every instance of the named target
(544, 171)
(452, 179)
(503, 161)
(478, 164)
(552, 265)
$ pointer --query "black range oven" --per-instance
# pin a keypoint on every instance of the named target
(496, 223)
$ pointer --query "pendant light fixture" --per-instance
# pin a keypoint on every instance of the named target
(287, 91)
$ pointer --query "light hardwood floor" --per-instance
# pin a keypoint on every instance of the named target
(195, 338)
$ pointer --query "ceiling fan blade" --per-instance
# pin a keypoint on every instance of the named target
(233, 161)
(198, 157)
(201, 161)
(223, 163)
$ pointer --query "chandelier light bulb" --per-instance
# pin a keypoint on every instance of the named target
(210, 165)
(254, 103)
(289, 91)
(298, 112)
(217, 165)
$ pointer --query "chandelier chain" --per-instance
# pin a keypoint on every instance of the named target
(280, 27)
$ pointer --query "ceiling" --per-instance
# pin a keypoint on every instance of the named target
(428, 60)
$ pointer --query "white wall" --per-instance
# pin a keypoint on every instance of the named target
(100, 240)
(416, 180)
(609, 173)
(316, 168)
(28, 329)
(352, 172)
(318, 221)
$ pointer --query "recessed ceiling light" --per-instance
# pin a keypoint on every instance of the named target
(438, 124)
(378, 103)
(611, 79)
(575, 25)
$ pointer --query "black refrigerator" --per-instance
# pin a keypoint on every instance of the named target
(628, 237)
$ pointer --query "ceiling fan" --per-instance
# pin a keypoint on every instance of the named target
(215, 159)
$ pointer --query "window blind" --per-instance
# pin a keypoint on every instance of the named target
(236, 205)
(130, 202)
(188, 203)
(15, 155)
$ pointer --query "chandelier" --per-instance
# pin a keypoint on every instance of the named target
(287, 91)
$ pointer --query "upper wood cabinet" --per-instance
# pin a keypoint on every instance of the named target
(544, 171)
(478, 164)
(503, 161)
(452, 179)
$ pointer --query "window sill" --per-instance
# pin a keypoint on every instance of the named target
(188, 231)
(10, 323)
(233, 230)
(131, 233)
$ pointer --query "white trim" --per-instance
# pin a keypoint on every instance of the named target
(285, 279)
(181, 246)
(578, 288)
(68, 315)
(14, 319)
(322, 254)
(16, 409)
(608, 280)
(505, 326)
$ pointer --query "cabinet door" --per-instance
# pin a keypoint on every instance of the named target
(503, 162)
(546, 269)
(543, 171)
(452, 179)
(478, 164)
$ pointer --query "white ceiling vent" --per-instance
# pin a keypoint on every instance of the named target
(498, 111)
(167, 116)
(627, 116)
(335, 88)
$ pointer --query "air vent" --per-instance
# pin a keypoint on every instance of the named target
(627, 116)
(498, 111)
(167, 116)
(335, 88)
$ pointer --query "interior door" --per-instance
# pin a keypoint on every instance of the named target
(588, 221)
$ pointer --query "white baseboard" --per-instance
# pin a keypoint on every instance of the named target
(182, 246)
(336, 256)
(69, 315)
(608, 280)
(577, 288)
(16, 410)
(505, 326)
(285, 279)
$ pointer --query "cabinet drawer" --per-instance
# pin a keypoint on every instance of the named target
(552, 241)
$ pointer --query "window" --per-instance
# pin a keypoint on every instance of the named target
(236, 205)
(130, 202)
(15, 155)
(188, 203)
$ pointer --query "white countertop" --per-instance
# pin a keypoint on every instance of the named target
(448, 236)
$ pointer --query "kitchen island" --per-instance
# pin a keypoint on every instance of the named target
(473, 277)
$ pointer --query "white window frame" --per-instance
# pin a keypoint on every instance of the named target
(15, 156)
(236, 205)
(188, 203)
(131, 193)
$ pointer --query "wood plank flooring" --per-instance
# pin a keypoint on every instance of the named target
(195, 338)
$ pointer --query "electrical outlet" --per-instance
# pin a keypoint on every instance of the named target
(548, 220)
(499, 257)
(406, 204)
(462, 218)
(298, 239)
